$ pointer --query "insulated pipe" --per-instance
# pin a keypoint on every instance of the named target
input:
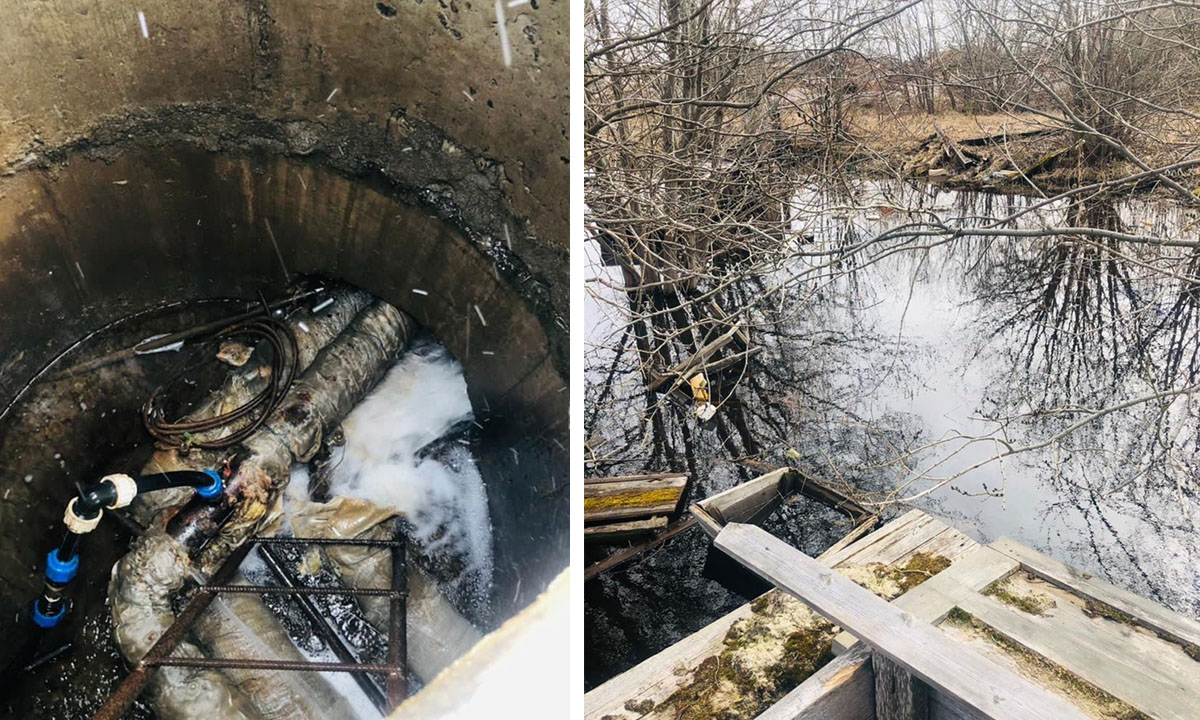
(83, 515)
(200, 536)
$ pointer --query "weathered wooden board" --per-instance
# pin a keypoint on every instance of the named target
(624, 555)
(942, 663)
(853, 536)
(912, 532)
(654, 679)
(1145, 612)
(619, 531)
(1151, 675)
(899, 695)
(740, 503)
(842, 690)
(933, 599)
(624, 500)
(709, 524)
(634, 478)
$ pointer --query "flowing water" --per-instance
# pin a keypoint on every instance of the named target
(907, 372)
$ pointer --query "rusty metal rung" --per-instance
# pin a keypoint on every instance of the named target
(263, 664)
(284, 590)
(158, 655)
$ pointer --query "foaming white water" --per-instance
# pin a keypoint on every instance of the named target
(419, 401)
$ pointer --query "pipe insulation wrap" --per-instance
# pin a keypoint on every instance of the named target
(312, 333)
(437, 633)
(146, 580)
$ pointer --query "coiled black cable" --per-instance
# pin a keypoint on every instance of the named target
(285, 358)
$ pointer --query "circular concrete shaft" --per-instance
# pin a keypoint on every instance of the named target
(162, 151)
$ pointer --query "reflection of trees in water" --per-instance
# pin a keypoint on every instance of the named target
(1084, 324)
(794, 395)
(1179, 326)
(1067, 311)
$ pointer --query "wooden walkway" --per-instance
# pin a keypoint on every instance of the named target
(1003, 632)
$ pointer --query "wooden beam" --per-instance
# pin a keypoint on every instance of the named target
(709, 524)
(633, 478)
(741, 502)
(1164, 685)
(613, 532)
(655, 678)
(620, 557)
(921, 649)
(932, 600)
(898, 695)
(632, 499)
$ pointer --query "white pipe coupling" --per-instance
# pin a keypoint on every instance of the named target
(79, 525)
(126, 489)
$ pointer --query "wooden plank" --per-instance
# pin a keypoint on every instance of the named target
(901, 530)
(709, 524)
(898, 695)
(626, 487)
(624, 530)
(632, 499)
(655, 678)
(1147, 613)
(842, 690)
(634, 478)
(620, 557)
(862, 529)
(923, 650)
(1146, 677)
(741, 502)
(912, 532)
(933, 599)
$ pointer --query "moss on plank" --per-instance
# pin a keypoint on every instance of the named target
(1030, 603)
(763, 657)
(647, 498)
(1075, 688)
(1095, 609)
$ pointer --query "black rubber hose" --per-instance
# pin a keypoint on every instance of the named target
(99, 496)
(173, 479)
(246, 418)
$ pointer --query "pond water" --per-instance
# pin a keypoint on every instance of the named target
(905, 372)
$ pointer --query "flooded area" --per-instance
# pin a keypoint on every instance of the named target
(922, 349)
